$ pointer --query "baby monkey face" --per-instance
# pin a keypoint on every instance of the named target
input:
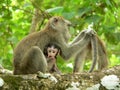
(52, 52)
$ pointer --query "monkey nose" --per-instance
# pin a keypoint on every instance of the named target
(49, 56)
(74, 25)
(69, 24)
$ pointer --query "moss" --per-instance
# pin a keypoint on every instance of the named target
(12, 82)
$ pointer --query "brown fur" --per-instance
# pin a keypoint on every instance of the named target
(56, 30)
(98, 52)
(52, 65)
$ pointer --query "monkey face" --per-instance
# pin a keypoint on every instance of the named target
(52, 52)
(59, 23)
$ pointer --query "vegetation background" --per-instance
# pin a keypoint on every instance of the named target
(16, 18)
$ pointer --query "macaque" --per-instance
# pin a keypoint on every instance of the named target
(51, 51)
(98, 52)
(28, 55)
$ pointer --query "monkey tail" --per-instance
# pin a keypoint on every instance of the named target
(94, 52)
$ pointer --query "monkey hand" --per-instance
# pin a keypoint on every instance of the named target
(47, 76)
(41, 75)
(90, 32)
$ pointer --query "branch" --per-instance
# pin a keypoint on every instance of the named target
(57, 82)
(38, 17)
(35, 21)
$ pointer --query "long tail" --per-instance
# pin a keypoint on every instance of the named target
(94, 52)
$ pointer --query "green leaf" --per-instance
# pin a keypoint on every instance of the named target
(69, 15)
(55, 10)
(84, 10)
(94, 18)
(108, 2)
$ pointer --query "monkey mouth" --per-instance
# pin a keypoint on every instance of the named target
(51, 58)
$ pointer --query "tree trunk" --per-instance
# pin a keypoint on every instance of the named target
(35, 21)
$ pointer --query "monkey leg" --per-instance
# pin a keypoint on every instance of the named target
(102, 54)
(56, 69)
(79, 60)
(33, 61)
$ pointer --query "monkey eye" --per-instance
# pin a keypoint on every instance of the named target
(49, 51)
(55, 20)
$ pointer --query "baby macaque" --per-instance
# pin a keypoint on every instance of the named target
(51, 51)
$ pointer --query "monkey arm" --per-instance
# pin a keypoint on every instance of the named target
(55, 69)
(82, 34)
(78, 37)
(71, 49)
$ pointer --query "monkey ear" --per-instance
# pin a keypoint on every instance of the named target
(59, 52)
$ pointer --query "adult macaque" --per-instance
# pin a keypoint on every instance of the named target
(98, 52)
(28, 54)
(51, 51)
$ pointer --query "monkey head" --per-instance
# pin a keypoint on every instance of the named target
(60, 24)
(51, 51)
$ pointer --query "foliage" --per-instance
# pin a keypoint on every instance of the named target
(16, 17)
